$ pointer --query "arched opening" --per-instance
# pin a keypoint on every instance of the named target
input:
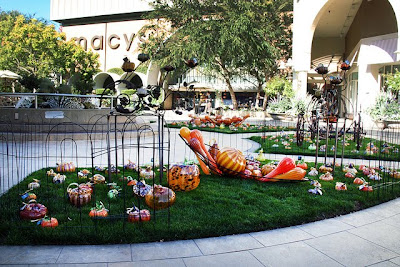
(135, 78)
(365, 33)
(103, 79)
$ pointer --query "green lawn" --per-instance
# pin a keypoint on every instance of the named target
(385, 151)
(227, 130)
(219, 206)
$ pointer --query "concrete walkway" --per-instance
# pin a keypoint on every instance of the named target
(365, 238)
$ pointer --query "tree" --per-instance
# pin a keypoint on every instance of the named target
(392, 82)
(279, 86)
(226, 36)
(33, 49)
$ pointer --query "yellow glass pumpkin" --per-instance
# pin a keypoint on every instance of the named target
(183, 177)
(160, 197)
(231, 161)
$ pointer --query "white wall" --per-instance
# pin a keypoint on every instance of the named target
(70, 9)
(112, 41)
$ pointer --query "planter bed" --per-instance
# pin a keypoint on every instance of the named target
(382, 152)
(227, 130)
(219, 206)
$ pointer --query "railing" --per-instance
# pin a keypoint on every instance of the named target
(60, 101)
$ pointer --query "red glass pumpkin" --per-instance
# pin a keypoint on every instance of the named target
(33, 211)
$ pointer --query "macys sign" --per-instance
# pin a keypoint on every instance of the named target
(114, 41)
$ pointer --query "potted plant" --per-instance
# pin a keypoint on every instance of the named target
(385, 111)
(277, 107)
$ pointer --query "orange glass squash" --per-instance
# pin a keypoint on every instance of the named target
(98, 211)
(184, 177)
(231, 161)
(49, 222)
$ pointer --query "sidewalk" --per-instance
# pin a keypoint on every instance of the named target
(365, 238)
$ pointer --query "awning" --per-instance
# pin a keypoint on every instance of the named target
(379, 51)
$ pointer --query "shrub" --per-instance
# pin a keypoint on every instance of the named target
(118, 71)
(101, 90)
(392, 82)
(302, 105)
(279, 86)
(279, 105)
(64, 89)
(128, 91)
(385, 108)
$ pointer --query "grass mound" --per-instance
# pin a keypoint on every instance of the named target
(286, 144)
(219, 206)
(244, 128)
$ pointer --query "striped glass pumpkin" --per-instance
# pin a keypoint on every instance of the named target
(231, 161)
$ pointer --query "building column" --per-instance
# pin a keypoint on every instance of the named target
(300, 83)
(368, 91)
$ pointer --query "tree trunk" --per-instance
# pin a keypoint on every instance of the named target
(233, 96)
(228, 83)
(265, 102)
(258, 96)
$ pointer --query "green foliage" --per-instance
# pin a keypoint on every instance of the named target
(30, 82)
(303, 105)
(128, 91)
(100, 91)
(118, 71)
(279, 86)
(31, 48)
(385, 108)
(279, 105)
(64, 89)
(142, 68)
(392, 82)
(227, 37)
(46, 86)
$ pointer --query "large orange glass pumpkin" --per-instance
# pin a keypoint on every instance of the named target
(184, 177)
(160, 197)
(231, 161)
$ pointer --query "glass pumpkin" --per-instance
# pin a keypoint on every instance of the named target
(160, 197)
(80, 195)
(136, 215)
(231, 161)
(184, 177)
(65, 167)
(33, 211)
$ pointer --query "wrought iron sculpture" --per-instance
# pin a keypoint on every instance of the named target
(328, 109)
(144, 98)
